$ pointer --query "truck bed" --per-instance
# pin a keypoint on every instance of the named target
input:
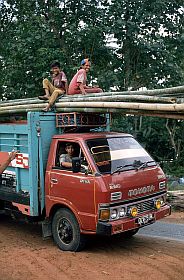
(22, 183)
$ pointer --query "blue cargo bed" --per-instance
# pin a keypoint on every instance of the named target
(23, 182)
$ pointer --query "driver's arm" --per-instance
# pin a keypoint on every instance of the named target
(66, 164)
(63, 161)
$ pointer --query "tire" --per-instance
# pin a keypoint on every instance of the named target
(66, 231)
(130, 233)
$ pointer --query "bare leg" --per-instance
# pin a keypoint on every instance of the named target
(47, 94)
(53, 98)
(47, 108)
(48, 88)
(93, 90)
(87, 90)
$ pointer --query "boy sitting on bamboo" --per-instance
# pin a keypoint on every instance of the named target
(58, 86)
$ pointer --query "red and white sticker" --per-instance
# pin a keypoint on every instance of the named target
(21, 161)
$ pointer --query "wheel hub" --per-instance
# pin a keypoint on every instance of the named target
(65, 231)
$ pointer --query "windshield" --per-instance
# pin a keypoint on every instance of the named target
(120, 153)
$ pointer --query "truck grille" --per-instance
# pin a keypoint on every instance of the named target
(144, 206)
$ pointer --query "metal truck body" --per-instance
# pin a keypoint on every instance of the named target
(119, 189)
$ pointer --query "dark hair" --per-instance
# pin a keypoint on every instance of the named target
(69, 144)
(55, 64)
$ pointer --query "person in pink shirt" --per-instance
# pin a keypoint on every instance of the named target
(78, 83)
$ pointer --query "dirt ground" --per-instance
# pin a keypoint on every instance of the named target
(176, 217)
(25, 256)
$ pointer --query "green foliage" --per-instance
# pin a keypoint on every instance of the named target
(34, 33)
(174, 168)
(149, 34)
(147, 51)
(152, 133)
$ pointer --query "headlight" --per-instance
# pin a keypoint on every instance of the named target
(104, 214)
(158, 204)
(122, 212)
(133, 211)
(114, 214)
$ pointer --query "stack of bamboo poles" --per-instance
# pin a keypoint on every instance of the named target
(166, 103)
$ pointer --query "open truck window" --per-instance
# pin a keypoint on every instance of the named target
(122, 153)
(61, 154)
(61, 151)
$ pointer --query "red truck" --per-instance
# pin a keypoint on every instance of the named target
(113, 187)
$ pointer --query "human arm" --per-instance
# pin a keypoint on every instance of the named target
(5, 164)
(66, 164)
(66, 87)
(81, 81)
(82, 88)
(64, 161)
(64, 81)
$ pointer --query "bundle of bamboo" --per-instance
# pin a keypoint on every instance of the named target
(160, 102)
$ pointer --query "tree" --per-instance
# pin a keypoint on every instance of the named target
(34, 33)
(148, 34)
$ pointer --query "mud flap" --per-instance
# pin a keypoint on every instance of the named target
(46, 229)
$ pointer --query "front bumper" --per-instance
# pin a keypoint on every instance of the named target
(125, 224)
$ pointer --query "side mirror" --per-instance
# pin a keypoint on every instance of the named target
(76, 164)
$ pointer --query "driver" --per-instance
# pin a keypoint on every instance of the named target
(66, 159)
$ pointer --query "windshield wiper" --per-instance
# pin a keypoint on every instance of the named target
(144, 164)
(134, 165)
(119, 168)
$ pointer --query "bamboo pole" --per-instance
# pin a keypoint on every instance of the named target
(124, 105)
(120, 98)
(98, 98)
(160, 92)
(23, 107)
(97, 106)
(94, 98)
(161, 114)
(115, 105)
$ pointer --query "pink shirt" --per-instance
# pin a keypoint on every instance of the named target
(80, 77)
(59, 80)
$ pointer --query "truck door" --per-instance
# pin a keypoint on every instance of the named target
(74, 189)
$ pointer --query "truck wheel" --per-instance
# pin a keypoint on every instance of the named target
(130, 233)
(66, 231)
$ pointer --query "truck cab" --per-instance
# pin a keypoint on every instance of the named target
(117, 188)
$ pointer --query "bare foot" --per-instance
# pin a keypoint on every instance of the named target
(43, 97)
(46, 109)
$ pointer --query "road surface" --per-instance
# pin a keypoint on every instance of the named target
(24, 255)
(169, 231)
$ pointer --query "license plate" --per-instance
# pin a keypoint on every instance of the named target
(145, 219)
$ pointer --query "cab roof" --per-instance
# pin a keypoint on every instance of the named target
(90, 135)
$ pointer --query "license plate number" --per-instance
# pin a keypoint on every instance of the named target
(145, 219)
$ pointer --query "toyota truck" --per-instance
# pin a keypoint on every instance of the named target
(114, 186)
